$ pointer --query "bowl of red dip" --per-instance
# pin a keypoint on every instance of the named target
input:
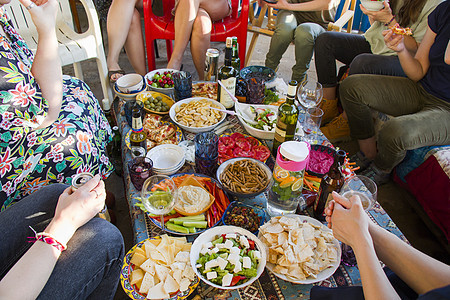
(320, 160)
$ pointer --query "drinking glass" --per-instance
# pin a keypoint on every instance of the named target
(366, 189)
(310, 94)
(159, 195)
(255, 90)
(311, 124)
(182, 85)
(206, 153)
(140, 168)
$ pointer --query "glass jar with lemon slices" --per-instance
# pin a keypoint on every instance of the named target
(286, 192)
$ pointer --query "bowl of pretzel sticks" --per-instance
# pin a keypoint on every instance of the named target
(244, 177)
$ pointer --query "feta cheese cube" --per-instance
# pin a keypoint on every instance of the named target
(237, 267)
(208, 245)
(198, 266)
(222, 263)
(244, 242)
(215, 250)
(226, 280)
(220, 245)
(231, 235)
(257, 254)
(228, 244)
(246, 262)
(235, 250)
(233, 258)
(211, 275)
(211, 264)
(204, 251)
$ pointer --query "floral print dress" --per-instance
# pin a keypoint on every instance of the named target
(32, 158)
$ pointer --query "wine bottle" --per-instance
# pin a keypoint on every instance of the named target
(287, 119)
(235, 60)
(138, 137)
(115, 151)
(227, 76)
(332, 181)
(107, 112)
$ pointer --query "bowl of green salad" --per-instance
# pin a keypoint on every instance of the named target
(266, 118)
(228, 257)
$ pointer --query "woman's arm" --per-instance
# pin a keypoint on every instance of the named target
(46, 67)
(350, 225)
(27, 278)
(420, 272)
(414, 67)
(313, 5)
(386, 16)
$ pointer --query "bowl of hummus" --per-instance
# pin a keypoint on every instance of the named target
(193, 199)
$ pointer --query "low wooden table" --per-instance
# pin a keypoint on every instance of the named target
(268, 286)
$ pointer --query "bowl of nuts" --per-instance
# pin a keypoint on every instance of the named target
(244, 216)
(197, 114)
(154, 102)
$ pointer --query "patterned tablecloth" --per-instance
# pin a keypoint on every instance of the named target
(268, 286)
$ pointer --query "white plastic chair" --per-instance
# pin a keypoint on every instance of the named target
(73, 47)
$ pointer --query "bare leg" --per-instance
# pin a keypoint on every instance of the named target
(184, 21)
(134, 44)
(368, 147)
(119, 21)
(329, 93)
(201, 33)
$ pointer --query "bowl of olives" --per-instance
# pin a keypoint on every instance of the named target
(154, 102)
(160, 80)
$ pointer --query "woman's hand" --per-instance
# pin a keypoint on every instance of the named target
(74, 209)
(349, 222)
(394, 41)
(384, 15)
(43, 14)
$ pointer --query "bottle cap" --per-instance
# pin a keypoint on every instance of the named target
(106, 105)
(295, 151)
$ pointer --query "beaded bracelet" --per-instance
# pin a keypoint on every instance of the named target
(387, 24)
(51, 240)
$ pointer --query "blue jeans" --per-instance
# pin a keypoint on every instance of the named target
(352, 50)
(290, 27)
(88, 269)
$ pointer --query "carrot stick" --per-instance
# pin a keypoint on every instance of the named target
(354, 169)
(308, 184)
(313, 178)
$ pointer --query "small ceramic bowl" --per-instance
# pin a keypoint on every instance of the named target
(258, 211)
(167, 158)
(265, 73)
(372, 5)
(222, 167)
(130, 83)
(323, 156)
(149, 77)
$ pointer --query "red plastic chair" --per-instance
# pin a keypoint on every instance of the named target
(162, 27)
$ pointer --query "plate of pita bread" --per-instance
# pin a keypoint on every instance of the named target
(159, 268)
(300, 249)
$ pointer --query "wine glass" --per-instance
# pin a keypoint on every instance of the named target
(159, 195)
(310, 94)
(366, 189)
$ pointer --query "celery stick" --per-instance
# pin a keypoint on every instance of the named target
(177, 228)
(180, 220)
(197, 224)
(192, 230)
